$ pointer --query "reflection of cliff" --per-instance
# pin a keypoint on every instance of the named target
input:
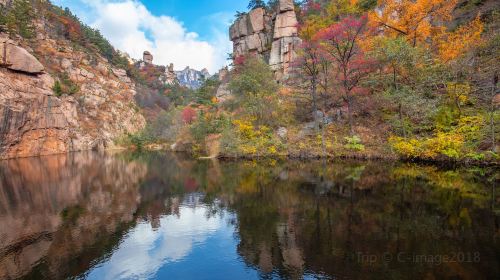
(53, 208)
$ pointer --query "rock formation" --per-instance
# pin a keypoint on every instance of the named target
(147, 57)
(223, 93)
(270, 34)
(35, 121)
(170, 77)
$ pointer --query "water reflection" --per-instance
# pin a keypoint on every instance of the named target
(136, 216)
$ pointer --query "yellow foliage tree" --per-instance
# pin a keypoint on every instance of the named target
(417, 20)
(333, 12)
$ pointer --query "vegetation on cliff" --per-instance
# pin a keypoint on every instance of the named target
(365, 82)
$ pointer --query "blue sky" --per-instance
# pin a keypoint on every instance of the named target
(184, 32)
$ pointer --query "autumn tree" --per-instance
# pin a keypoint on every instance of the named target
(342, 42)
(416, 20)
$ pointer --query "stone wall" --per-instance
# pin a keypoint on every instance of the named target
(270, 34)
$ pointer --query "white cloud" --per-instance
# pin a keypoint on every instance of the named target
(131, 28)
(144, 250)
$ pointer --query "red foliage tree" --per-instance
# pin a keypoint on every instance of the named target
(188, 115)
(341, 41)
(239, 60)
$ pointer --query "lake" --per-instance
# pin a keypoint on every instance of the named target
(167, 216)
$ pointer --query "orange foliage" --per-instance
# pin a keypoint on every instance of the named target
(73, 28)
(464, 38)
(417, 20)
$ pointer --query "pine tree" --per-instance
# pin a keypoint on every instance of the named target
(256, 4)
(18, 18)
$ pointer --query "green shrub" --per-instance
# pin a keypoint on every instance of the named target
(64, 85)
(354, 143)
(57, 88)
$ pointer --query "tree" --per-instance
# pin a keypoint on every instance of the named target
(18, 18)
(341, 41)
(256, 4)
(308, 66)
(454, 44)
(416, 20)
(397, 62)
(255, 88)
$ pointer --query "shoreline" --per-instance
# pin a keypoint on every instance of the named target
(287, 156)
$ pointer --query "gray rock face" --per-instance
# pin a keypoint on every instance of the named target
(192, 78)
(223, 93)
(272, 35)
(18, 59)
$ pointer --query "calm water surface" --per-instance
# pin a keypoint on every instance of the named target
(164, 216)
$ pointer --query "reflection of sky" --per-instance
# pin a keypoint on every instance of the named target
(186, 247)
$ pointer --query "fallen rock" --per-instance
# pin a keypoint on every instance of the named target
(16, 58)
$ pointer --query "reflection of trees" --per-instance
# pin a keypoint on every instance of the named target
(292, 217)
(296, 217)
(318, 219)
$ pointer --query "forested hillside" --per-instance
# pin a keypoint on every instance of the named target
(412, 79)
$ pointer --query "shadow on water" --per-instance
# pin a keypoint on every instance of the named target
(153, 215)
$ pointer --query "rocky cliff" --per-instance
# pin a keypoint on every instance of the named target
(37, 117)
(270, 34)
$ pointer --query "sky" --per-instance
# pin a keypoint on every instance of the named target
(190, 33)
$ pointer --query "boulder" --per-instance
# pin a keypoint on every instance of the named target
(16, 58)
